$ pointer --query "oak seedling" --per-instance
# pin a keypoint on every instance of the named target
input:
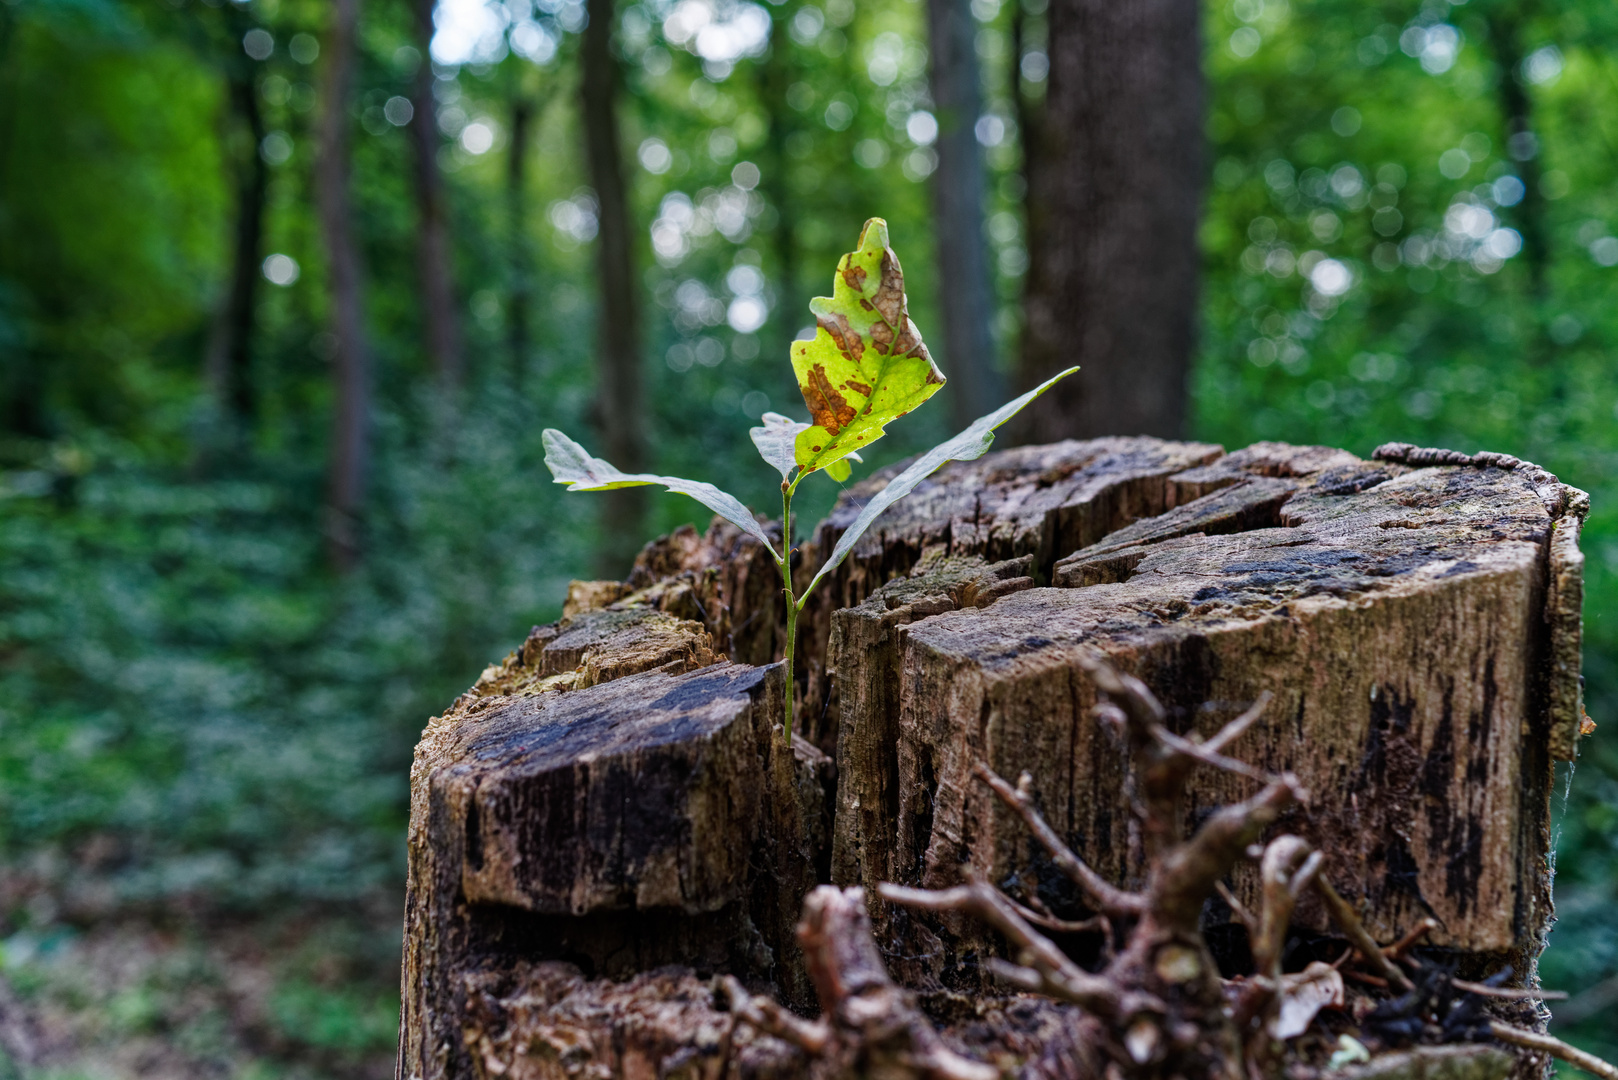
(865, 367)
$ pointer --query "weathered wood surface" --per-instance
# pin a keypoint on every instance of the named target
(1399, 615)
(610, 797)
(1035, 501)
(616, 818)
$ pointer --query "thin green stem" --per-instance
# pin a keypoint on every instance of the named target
(792, 606)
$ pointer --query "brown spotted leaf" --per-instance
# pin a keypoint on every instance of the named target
(866, 365)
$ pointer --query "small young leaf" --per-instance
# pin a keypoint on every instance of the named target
(774, 440)
(866, 365)
(840, 470)
(572, 465)
(969, 444)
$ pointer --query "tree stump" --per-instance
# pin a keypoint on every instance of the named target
(607, 825)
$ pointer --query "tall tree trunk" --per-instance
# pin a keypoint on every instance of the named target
(521, 266)
(963, 271)
(1113, 187)
(351, 360)
(227, 364)
(619, 407)
(1517, 109)
(433, 254)
(23, 389)
(773, 76)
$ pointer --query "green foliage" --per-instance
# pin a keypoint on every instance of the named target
(183, 682)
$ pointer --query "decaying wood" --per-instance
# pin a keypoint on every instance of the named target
(622, 825)
(610, 799)
(1034, 501)
(1398, 616)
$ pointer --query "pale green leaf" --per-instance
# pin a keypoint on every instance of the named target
(572, 465)
(866, 365)
(775, 440)
(972, 443)
(840, 470)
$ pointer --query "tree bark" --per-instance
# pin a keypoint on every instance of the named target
(975, 386)
(228, 363)
(620, 408)
(351, 360)
(520, 295)
(612, 799)
(1114, 178)
(434, 254)
(772, 77)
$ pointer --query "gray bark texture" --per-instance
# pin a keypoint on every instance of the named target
(610, 845)
(1115, 175)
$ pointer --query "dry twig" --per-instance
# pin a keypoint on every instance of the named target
(1555, 1047)
(1103, 895)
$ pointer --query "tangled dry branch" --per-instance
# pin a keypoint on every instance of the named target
(1158, 1007)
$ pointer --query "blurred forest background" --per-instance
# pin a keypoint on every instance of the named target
(288, 289)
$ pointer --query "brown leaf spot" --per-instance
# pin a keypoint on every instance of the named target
(827, 408)
(848, 340)
(857, 387)
(890, 294)
(854, 275)
(909, 339)
(882, 335)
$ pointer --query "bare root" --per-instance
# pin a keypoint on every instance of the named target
(868, 1026)
(1103, 895)
(1157, 1007)
(1556, 1048)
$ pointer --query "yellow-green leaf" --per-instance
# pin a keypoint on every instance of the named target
(866, 365)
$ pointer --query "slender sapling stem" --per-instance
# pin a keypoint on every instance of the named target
(786, 585)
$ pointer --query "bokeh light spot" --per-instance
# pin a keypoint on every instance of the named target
(281, 269)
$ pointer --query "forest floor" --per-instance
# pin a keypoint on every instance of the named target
(94, 990)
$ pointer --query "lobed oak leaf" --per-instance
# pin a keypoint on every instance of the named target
(866, 365)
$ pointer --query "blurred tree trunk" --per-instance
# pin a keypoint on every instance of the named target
(227, 365)
(1505, 33)
(1114, 179)
(773, 77)
(521, 266)
(433, 254)
(620, 413)
(351, 359)
(22, 375)
(963, 271)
